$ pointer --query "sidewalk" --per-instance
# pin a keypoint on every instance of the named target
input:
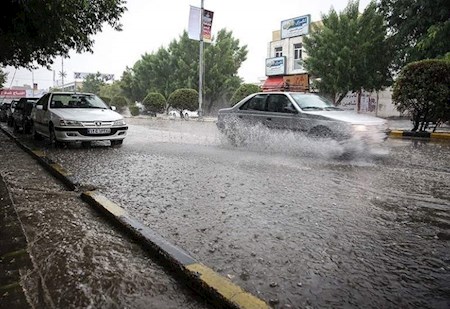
(401, 128)
(64, 254)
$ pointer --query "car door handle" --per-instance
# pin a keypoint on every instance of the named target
(269, 118)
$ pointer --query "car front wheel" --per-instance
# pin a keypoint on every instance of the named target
(36, 135)
(53, 140)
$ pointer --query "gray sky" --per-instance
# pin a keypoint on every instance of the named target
(150, 24)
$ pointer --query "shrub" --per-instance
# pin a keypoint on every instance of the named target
(119, 102)
(422, 89)
(184, 98)
(134, 110)
(154, 102)
(243, 91)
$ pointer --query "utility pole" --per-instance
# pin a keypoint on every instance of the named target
(200, 69)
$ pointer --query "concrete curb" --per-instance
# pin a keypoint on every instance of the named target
(221, 291)
(420, 135)
(215, 288)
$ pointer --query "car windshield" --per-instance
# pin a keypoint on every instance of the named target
(312, 102)
(68, 100)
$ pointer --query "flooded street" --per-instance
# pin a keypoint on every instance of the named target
(285, 217)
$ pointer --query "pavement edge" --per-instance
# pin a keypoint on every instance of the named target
(220, 290)
(421, 135)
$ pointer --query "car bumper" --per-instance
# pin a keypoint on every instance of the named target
(65, 134)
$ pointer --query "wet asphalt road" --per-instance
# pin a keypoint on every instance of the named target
(282, 216)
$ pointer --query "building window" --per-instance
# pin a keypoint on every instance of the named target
(278, 51)
(298, 56)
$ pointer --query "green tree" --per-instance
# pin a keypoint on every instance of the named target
(3, 76)
(110, 90)
(349, 51)
(243, 91)
(422, 89)
(418, 29)
(177, 67)
(184, 98)
(92, 83)
(120, 102)
(155, 102)
(36, 31)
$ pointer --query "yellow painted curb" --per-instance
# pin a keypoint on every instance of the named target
(396, 134)
(440, 135)
(59, 169)
(113, 208)
(39, 153)
(226, 288)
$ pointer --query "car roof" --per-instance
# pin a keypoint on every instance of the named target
(71, 92)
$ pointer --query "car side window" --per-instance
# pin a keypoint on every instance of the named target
(257, 103)
(43, 100)
(279, 103)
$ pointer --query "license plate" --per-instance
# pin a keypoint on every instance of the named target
(98, 131)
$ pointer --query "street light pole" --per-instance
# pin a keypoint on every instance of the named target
(200, 69)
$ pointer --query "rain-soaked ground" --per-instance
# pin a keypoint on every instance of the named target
(286, 217)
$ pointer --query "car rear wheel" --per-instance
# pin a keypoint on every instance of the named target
(15, 127)
(36, 135)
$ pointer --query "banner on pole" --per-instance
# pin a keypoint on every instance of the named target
(195, 25)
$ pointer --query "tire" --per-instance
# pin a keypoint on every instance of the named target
(116, 142)
(320, 132)
(15, 127)
(36, 135)
(53, 140)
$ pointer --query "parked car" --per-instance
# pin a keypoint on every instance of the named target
(304, 112)
(76, 117)
(22, 114)
(3, 111)
(10, 111)
(187, 114)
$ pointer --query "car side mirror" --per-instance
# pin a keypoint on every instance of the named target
(40, 107)
(291, 110)
(113, 108)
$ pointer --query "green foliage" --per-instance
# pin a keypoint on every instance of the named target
(423, 90)
(184, 99)
(120, 102)
(176, 67)
(93, 83)
(37, 31)
(110, 90)
(418, 29)
(134, 110)
(3, 76)
(243, 91)
(107, 100)
(349, 51)
(154, 102)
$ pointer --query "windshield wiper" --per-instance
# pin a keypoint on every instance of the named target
(312, 107)
(333, 108)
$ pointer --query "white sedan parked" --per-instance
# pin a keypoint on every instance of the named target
(76, 117)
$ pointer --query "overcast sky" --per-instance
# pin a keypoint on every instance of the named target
(150, 24)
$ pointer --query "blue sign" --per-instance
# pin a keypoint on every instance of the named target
(295, 26)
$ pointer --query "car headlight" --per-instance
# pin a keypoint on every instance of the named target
(120, 122)
(64, 122)
(359, 128)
